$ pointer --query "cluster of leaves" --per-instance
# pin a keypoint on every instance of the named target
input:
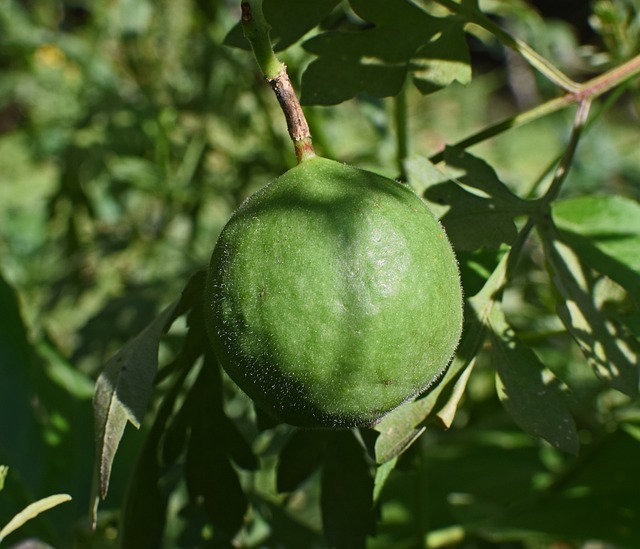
(551, 283)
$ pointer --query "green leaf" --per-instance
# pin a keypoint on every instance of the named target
(475, 207)
(346, 497)
(529, 392)
(443, 60)
(124, 387)
(144, 510)
(596, 497)
(612, 352)
(123, 391)
(383, 472)
(290, 20)
(605, 232)
(299, 458)
(31, 511)
(212, 481)
(3, 475)
(376, 60)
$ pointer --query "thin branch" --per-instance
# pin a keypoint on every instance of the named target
(256, 31)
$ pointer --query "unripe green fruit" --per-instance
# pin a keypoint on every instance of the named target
(333, 296)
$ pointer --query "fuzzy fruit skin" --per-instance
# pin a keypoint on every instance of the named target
(333, 296)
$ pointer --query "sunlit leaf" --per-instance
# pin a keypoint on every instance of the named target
(605, 232)
(529, 391)
(383, 472)
(399, 429)
(613, 353)
(31, 511)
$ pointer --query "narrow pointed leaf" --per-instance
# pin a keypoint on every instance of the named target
(31, 511)
(530, 392)
(124, 387)
(123, 391)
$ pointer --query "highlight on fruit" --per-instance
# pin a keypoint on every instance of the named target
(333, 296)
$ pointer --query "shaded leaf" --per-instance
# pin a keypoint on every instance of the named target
(376, 60)
(124, 387)
(612, 352)
(144, 510)
(300, 456)
(346, 497)
(212, 481)
(290, 20)
(596, 498)
(31, 511)
(443, 60)
(475, 207)
(530, 392)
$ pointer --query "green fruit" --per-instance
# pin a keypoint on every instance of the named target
(333, 296)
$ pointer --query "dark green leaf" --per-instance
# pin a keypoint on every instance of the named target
(475, 207)
(212, 481)
(144, 512)
(211, 478)
(376, 60)
(443, 60)
(613, 353)
(347, 493)
(290, 20)
(530, 392)
(299, 458)
(597, 498)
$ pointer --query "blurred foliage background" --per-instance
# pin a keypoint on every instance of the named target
(128, 134)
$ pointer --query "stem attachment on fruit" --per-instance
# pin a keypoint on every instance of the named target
(256, 31)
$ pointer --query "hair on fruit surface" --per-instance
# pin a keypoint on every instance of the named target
(333, 296)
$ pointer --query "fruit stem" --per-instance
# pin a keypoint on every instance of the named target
(256, 31)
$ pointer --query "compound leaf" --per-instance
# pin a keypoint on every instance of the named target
(377, 59)
(475, 207)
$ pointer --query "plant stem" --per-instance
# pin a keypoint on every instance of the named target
(401, 118)
(589, 90)
(256, 31)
